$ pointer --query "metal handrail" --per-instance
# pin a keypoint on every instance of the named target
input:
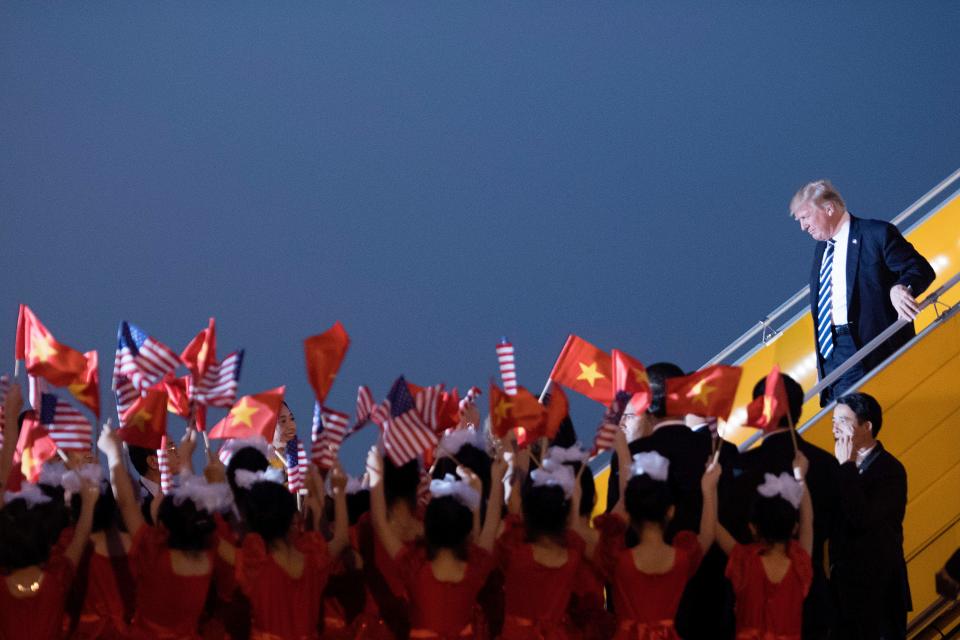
(867, 349)
(802, 293)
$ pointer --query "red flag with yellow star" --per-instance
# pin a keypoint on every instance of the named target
(630, 376)
(201, 353)
(557, 409)
(766, 411)
(87, 388)
(254, 415)
(585, 369)
(34, 447)
(448, 410)
(324, 353)
(522, 410)
(145, 421)
(708, 392)
(43, 355)
(178, 401)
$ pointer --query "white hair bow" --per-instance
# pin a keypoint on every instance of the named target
(29, 493)
(784, 486)
(454, 440)
(73, 481)
(247, 479)
(573, 453)
(554, 473)
(652, 464)
(356, 485)
(459, 490)
(211, 497)
(233, 445)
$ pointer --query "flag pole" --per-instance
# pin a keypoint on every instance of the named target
(793, 437)
(546, 390)
(16, 368)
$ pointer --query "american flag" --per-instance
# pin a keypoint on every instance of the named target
(66, 425)
(329, 429)
(471, 397)
(508, 367)
(141, 358)
(296, 459)
(4, 387)
(365, 404)
(405, 432)
(427, 401)
(163, 461)
(218, 387)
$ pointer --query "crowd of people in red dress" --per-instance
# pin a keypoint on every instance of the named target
(491, 541)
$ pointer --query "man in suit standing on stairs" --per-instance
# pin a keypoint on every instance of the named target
(864, 277)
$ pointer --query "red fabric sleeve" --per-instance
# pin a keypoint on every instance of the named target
(686, 543)
(251, 559)
(145, 549)
(802, 564)
(313, 546)
(612, 528)
(513, 536)
(737, 564)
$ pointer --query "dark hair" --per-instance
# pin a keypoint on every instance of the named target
(189, 528)
(794, 397)
(270, 512)
(138, 456)
(106, 514)
(774, 519)
(866, 408)
(647, 500)
(545, 510)
(588, 489)
(477, 460)
(400, 483)
(358, 503)
(248, 459)
(447, 525)
(28, 533)
(657, 374)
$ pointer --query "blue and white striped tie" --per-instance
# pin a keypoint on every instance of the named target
(825, 303)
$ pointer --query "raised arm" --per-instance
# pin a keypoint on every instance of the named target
(624, 460)
(805, 535)
(378, 505)
(109, 445)
(491, 524)
(12, 406)
(724, 540)
(81, 533)
(341, 524)
(708, 515)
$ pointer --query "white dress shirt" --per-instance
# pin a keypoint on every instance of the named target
(838, 298)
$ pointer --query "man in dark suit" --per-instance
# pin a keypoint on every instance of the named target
(775, 455)
(864, 276)
(869, 570)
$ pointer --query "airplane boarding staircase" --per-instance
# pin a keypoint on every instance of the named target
(918, 388)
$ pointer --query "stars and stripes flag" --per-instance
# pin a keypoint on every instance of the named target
(508, 366)
(406, 434)
(365, 405)
(67, 426)
(329, 430)
(142, 358)
(166, 473)
(218, 386)
(471, 397)
(296, 460)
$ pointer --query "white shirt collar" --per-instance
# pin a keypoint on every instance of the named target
(151, 487)
(843, 233)
(862, 455)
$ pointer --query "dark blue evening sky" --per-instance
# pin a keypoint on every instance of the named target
(436, 175)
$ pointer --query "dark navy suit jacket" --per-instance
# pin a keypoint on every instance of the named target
(878, 257)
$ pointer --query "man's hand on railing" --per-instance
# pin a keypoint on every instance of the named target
(906, 305)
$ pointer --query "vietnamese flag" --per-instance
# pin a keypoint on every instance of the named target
(585, 369)
(448, 410)
(766, 411)
(708, 392)
(145, 421)
(34, 447)
(177, 400)
(324, 353)
(254, 415)
(43, 355)
(87, 388)
(630, 376)
(521, 410)
(201, 353)
(557, 409)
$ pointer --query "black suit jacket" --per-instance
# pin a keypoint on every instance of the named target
(870, 573)
(878, 257)
(775, 455)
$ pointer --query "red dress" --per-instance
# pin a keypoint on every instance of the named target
(40, 615)
(536, 595)
(645, 603)
(385, 610)
(107, 588)
(589, 618)
(168, 605)
(282, 606)
(227, 612)
(769, 610)
(439, 609)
